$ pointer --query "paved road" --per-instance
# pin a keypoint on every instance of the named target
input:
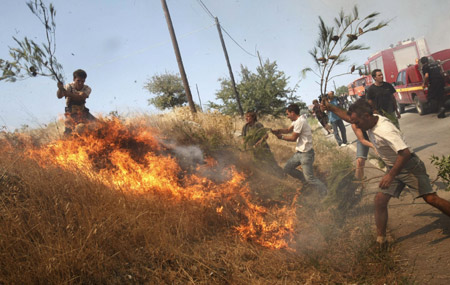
(421, 232)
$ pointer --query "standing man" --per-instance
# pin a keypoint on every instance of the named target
(403, 167)
(76, 94)
(362, 145)
(336, 122)
(433, 78)
(381, 97)
(321, 116)
(300, 132)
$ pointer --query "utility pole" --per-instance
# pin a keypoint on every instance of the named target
(238, 101)
(178, 55)
(199, 100)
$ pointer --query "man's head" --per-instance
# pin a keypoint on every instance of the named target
(377, 75)
(251, 117)
(293, 112)
(361, 114)
(315, 102)
(330, 95)
(79, 77)
(424, 60)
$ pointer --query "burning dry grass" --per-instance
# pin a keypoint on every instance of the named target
(116, 205)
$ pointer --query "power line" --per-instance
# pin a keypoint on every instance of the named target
(236, 42)
(206, 9)
(223, 29)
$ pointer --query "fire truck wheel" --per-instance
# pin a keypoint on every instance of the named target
(400, 108)
(420, 106)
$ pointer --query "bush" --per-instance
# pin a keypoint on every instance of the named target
(443, 166)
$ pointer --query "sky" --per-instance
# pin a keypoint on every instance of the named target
(122, 44)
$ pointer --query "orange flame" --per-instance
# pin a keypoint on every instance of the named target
(130, 158)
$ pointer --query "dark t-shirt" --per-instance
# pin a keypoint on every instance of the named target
(382, 97)
(319, 113)
(437, 83)
(434, 73)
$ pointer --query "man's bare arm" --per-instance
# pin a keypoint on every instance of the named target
(426, 78)
(341, 113)
(290, 138)
(359, 134)
(283, 131)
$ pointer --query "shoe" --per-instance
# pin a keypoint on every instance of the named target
(441, 113)
(359, 190)
(382, 243)
(342, 145)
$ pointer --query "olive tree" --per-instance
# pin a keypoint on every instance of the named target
(30, 59)
(168, 91)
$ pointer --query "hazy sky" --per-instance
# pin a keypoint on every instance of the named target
(121, 44)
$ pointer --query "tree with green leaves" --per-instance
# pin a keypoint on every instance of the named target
(264, 91)
(335, 42)
(341, 90)
(31, 59)
(168, 90)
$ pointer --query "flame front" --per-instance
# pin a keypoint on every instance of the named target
(130, 158)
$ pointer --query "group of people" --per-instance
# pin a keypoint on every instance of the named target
(375, 122)
(336, 123)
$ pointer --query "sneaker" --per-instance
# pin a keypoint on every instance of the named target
(342, 145)
(441, 113)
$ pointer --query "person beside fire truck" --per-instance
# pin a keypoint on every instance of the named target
(76, 94)
(380, 96)
(433, 79)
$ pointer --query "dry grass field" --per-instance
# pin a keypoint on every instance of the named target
(175, 199)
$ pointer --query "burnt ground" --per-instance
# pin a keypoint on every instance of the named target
(420, 233)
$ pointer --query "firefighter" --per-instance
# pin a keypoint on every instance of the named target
(76, 94)
(433, 78)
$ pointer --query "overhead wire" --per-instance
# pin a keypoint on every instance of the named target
(223, 29)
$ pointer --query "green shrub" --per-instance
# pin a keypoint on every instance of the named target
(443, 165)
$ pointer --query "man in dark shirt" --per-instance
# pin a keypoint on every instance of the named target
(433, 78)
(380, 96)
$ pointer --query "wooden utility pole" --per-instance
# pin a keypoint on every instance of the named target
(236, 94)
(199, 100)
(178, 55)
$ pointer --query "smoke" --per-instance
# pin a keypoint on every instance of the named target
(188, 156)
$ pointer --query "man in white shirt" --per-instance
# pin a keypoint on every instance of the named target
(300, 132)
(403, 167)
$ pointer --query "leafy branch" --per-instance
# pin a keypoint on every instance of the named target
(30, 59)
(443, 166)
(332, 46)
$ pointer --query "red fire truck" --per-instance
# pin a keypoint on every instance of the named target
(409, 84)
(389, 61)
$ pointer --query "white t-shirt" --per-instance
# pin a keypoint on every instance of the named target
(387, 139)
(71, 88)
(304, 140)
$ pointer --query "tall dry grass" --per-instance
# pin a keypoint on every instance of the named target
(58, 226)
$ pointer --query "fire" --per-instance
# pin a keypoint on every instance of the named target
(131, 158)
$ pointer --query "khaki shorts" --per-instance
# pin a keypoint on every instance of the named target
(414, 175)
